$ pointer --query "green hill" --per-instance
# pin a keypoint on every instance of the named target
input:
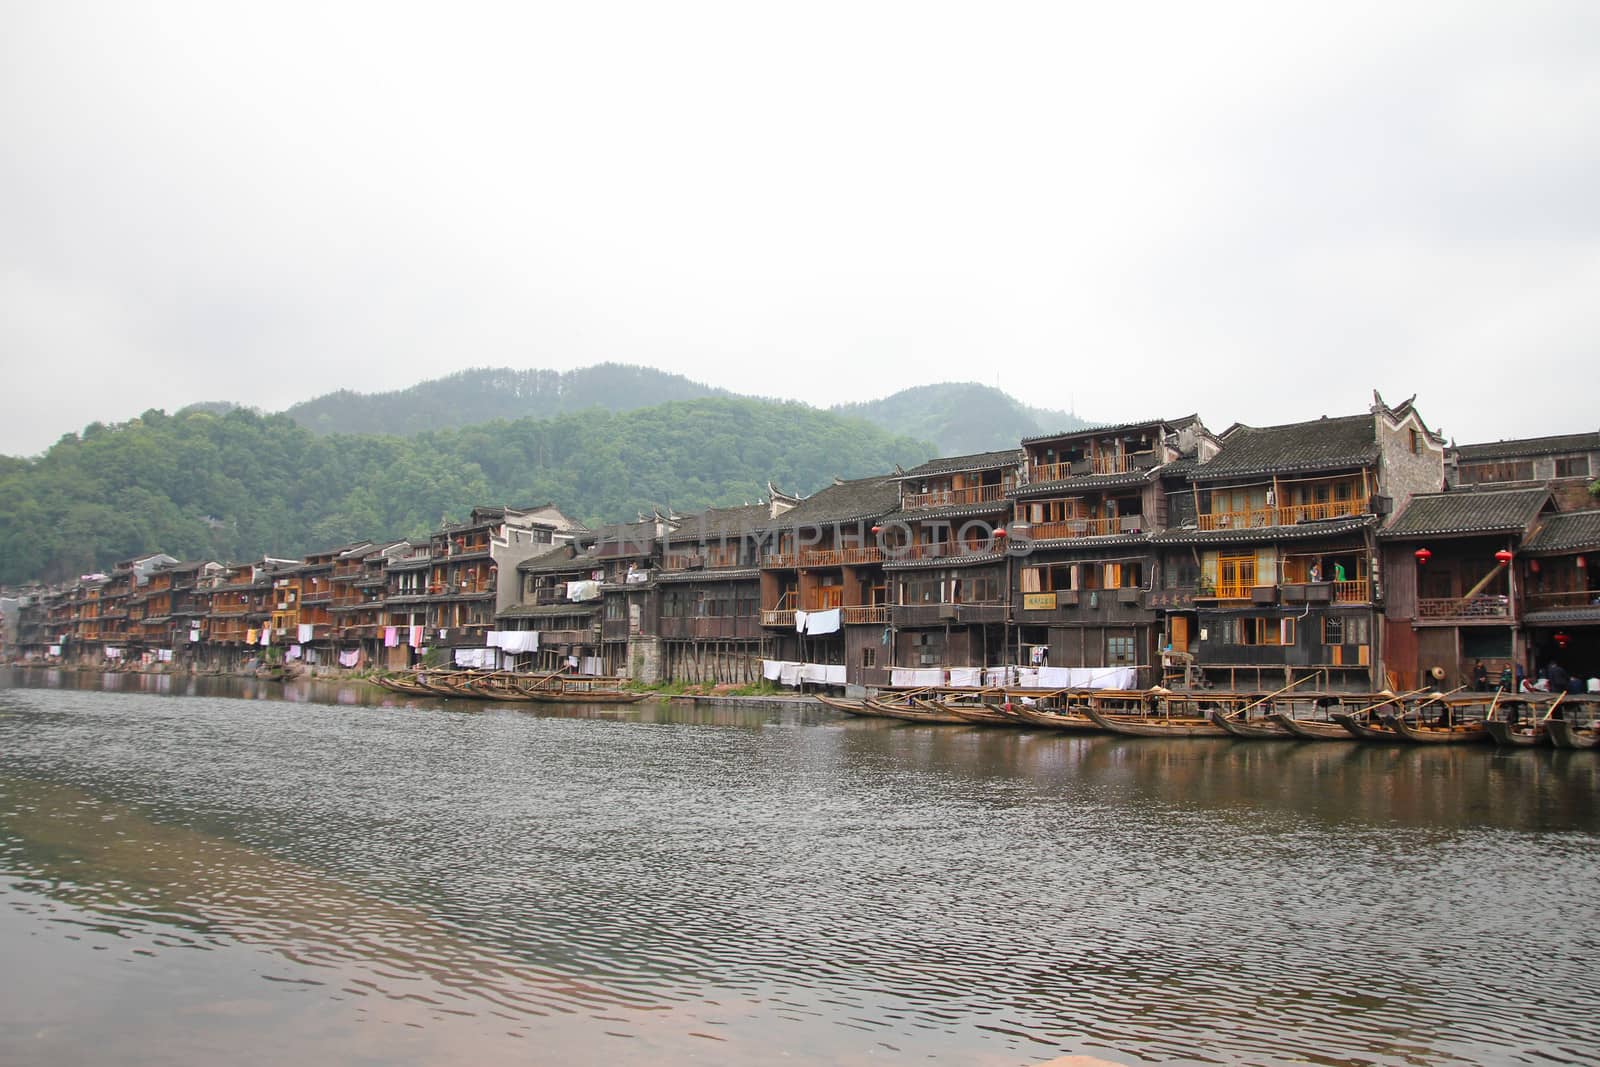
(961, 417)
(234, 485)
(483, 394)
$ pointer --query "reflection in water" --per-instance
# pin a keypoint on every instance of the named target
(787, 885)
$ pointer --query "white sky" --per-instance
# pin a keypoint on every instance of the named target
(1257, 211)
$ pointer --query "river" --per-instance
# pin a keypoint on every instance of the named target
(195, 870)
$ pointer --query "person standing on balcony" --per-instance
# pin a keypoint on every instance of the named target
(1316, 571)
(1338, 571)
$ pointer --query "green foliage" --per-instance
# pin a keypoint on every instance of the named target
(961, 418)
(236, 485)
(483, 394)
(1594, 487)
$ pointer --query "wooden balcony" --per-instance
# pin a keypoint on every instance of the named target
(865, 615)
(1463, 608)
(943, 549)
(856, 556)
(944, 498)
(722, 627)
(1578, 598)
(781, 617)
(1357, 591)
(1125, 463)
(1289, 515)
(785, 560)
(1071, 528)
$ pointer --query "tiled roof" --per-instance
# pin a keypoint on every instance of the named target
(560, 558)
(715, 523)
(1562, 616)
(710, 574)
(1323, 444)
(863, 498)
(1530, 446)
(526, 611)
(972, 560)
(1084, 483)
(1470, 512)
(1303, 531)
(949, 511)
(1572, 531)
(1054, 543)
(1124, 427)
(978, 461)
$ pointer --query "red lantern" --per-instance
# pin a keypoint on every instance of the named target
(877, 530)
(999, 533)
(1423, 555)
(1581, 563)
(1503, 557)
(1561, 640)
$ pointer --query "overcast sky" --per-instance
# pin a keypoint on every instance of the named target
(1257, 211)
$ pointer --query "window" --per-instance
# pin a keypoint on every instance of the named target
(1333, 626)
(1572, 466)
(869, 656)
(1236, 574)
(1508, 471)
(1416, 443)
(1344, 630)
(1119, 650)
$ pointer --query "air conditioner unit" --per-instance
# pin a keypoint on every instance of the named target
(947, 611)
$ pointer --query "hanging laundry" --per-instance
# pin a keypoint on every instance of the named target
(391, 637)
(307, 632)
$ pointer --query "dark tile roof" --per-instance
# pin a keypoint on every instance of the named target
(972, 560)
(1123, 427)
(949, 511)
(863, 498)
(1530, 446)
(1085, 483)
(1322, 444)
(560, 558)
(1571, 531)
(526, 611)
(1303, 531)
(978, 461)
(1055, 543)
(717, 523)
(1562, 616)
(710, 574)
(1468, 512)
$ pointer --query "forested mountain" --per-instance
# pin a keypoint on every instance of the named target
(957, 417)
(232, 486)
(961, 417)
(479, 395)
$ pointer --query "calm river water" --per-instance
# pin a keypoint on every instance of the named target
(207, 870)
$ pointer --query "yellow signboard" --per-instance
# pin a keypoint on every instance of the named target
(1038, 601)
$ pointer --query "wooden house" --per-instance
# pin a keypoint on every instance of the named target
(1451, 596)
(822, 558)
(1281, 547)
(1561, 598)
(464, 593)
(1565, 463)
(947, 577)
(709, 592)
(406, 571)
(358, 607)
(1083, 523)
(559, 603)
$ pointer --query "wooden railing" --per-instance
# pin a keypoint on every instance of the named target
(1356, 591)
(1113, 463)
(942, 549)
(840, 557)
(865, 614)
(1068, 528)
(1473, 607)
(780, 615)
(1235, 590)
(1288, 515)
(942, 498)
(1577, 598)
(781, 559)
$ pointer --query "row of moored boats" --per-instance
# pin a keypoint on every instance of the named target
(1417, 717)
(509, 685)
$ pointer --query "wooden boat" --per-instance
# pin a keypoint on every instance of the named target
(578, 695)
(1311, 729)
(1363, 730)
(1564, 733)
(412, 685)
(1261, 729)
(1523, 734)
(849, 707)
(1422, 733)
(911, 713)
(976, 713)
(1152, 726)
(1049, 719)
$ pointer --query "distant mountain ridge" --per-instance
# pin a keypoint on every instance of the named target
(483, 394)
(957, 417)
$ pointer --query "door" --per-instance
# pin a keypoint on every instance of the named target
(1180, 633)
